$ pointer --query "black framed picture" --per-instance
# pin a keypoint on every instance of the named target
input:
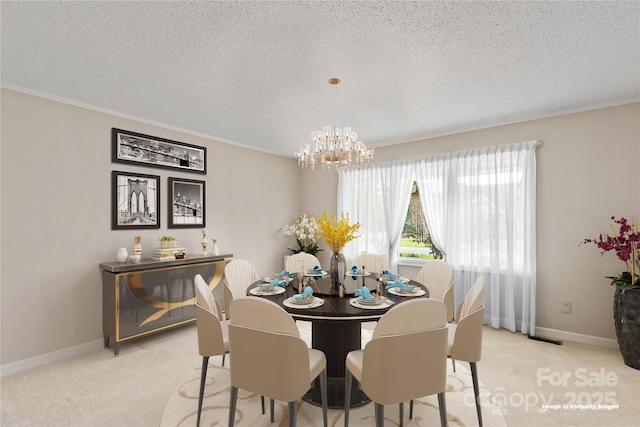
(135, 201)
(186, 203)
(146, 150)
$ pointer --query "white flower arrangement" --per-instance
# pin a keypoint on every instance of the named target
(305, 230)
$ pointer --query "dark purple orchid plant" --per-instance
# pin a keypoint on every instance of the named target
(626, 244)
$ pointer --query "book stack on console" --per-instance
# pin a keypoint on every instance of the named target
(169, 254)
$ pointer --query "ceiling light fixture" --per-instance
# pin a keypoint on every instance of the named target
(334, 146)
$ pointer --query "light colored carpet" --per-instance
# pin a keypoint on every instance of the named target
(182, 406)
(136, 388)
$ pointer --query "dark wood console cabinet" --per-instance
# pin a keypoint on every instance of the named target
(139, 299)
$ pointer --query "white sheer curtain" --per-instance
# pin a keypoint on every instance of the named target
(480, 209)
(378, 198)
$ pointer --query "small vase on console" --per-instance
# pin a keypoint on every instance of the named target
(337, 269)
(122, 255)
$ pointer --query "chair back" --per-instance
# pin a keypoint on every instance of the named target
(211, 336)
(474, 298)
(301, 260)
(262, 314)
(410, 316)
(375, 263)
(269, 357)
(238, 275)
(437, 276)
(205, 298)
(407, 359)
(466, 343)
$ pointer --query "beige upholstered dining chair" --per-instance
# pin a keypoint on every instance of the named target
(437, 276)
(465, 336)
(213, 331)
(239, 274)
(301, 260)
(374, 263)
(413, 330)
(270, 358)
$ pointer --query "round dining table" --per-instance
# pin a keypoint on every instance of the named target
(336, 323)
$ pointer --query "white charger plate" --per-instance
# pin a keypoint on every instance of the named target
(317, 302)
(309, 274)
(277, 290)
(395, 291)
(384, 304)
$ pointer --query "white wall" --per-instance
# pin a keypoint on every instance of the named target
(56, 198)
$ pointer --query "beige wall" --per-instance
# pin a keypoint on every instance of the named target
(56, 195)
(56, 222)
(588, 169)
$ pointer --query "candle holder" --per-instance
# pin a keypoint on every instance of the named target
(204, 242)
(137, 245)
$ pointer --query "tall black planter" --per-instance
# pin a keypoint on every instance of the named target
(626, 314)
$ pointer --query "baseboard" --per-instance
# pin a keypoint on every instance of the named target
(54, 356)
(579, 338)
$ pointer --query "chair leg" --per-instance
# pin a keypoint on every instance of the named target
(442, 403)
(453, 363)
(203, 377)
(223, 358)
(323, 395)
(379, 415)
(232, 405)
(347, 396)
(271, 408)
(401, 411)
(476, 390)
(293, 409)
(262, 403)
(411, 409)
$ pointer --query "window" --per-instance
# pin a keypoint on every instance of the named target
(415, 242)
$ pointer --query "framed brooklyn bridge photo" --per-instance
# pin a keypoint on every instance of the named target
(186, 203)
(145, 150)
(135, 201)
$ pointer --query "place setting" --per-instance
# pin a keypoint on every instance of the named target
(366, 300)
(315, 272)
(357, 272)
(397, 285)
(274, 285)
(304, 300)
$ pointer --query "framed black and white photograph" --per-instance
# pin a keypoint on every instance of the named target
(136, 148)
(186, 203)
(135, 201)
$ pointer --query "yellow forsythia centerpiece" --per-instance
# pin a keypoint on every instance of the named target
(336, 233)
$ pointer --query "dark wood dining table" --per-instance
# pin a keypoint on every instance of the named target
(336, 326)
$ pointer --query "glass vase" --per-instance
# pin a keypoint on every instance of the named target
(337, 269)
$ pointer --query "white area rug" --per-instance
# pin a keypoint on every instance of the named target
(181, 409)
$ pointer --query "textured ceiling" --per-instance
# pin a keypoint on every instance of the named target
(255, 73)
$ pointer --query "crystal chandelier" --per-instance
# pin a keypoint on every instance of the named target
(334, 146)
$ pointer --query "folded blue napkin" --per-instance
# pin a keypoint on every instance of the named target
(308, 291)
(317, 269)
(364, 292)
(286, 273)
(392, 276)
(398, 284)
(355, 271)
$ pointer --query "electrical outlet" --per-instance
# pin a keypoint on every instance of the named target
(566, 307)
